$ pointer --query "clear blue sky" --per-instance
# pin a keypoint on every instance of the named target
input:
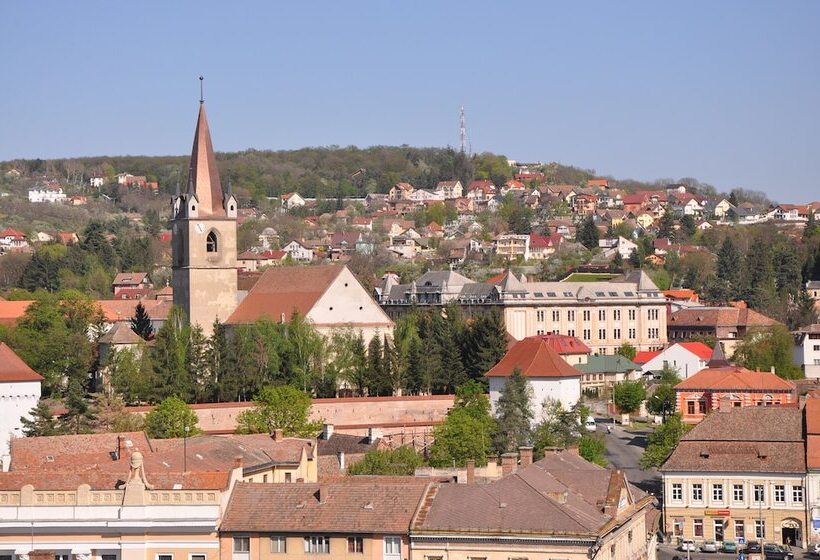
(725, 91)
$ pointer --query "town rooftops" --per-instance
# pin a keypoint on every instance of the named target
(734, 378)
(535, 357)
(120, 333)
(13, 369)
(812, 411)
(352, 505)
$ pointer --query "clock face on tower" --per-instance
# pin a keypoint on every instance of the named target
(200, 228)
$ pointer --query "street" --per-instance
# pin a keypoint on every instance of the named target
(667, 552)
(624, 450)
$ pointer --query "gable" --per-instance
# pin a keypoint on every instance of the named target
(347, 302)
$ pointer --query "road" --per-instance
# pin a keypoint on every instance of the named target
(667, 552)
(624, 450)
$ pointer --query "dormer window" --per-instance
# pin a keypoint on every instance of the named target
(210, 243)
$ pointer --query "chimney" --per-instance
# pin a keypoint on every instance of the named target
(373, 434)
(508, 463)
(327, 431)
(323, 493)
(470, 471)
(278, 434)
(526, 456)
(725, 404)
(237, 462)
(341, 457)
(772, 369)
(119, 447)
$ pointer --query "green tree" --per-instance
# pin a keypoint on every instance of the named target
(629, 395)
(175, 356)
(663, 441)
(588, 234)
(688, 226)
(627, 351)
(727, 282)
(558, 427)
(666, 226)
(467, 431)
(141, 323)
(42, 422)
(766, 348)
(402, 461)
(514, 414)
(172, 418)
(592, 447)
(283, 408)
(110, 415)
(485, 343)
(79, 416)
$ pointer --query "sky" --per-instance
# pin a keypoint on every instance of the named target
(727, 92)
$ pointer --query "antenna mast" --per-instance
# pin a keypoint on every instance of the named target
(462, 132)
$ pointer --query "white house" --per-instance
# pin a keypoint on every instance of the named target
(623, 245)
(96, 181)
(549, 375)
(451, 189)
(687, 358)
(19, 393)
(807, 351)
(424, 195)
(298, 252)
(51, 193)
(292, 200)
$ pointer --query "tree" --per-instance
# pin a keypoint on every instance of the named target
(629, 395)
(42, 422)
(402, 461)
(592, 447)
(663, 441)
(514, 414)
(173, 355)
(558, 427)
(588, 234)
(467, 431)
(627, 351)
(283, 408)
(485, 343)
(110, 415)
(726, 284)
(172, 418)
(666, 226)
(131, 374)
(635, 259)
(687, 224)
(772, 347)
(141, 323)
(79, 417)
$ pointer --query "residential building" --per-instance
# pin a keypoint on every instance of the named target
(269, 238)
(543, 246)
(251, 262)
(623, 246)
(559, 507)
(726, 324)
(813, 289)
(131, 281)
(328, 296)
(19, 394)
(203, 222)
(512, 246)
(96, 181)
(292, 200)
(807, 351)
(685, 358)
(713, 387)
(451, 189)
(570, 348)
(426, 196)
(549, 375)
(50, 193)
(357, 517)
(739, 475)
(400, 191)
(13, 241)
(603, 372)
(298, 251)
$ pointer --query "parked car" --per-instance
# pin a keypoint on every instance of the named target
(775, 552)
(687, 544)
(590, 424)
(709, 546)
(729, 546)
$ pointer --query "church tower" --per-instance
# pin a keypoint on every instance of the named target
(203, 222)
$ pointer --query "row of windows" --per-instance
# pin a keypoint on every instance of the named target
(313, 544)
(720, 528)
(738, 493)
(540, 315)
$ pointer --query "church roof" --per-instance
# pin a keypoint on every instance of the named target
(13, 369)
(203, 175)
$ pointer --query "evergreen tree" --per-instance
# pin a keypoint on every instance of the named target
(452, 366)
(617, 263)
(79, 417)
(141, 323)
(41, 422)
(687, 225)
(485, 343)
(666, 226)
(635, 259)
(414, 367)
(514, 414)
(726, 284)
(375, 367)
(588, 234)
(170, 358)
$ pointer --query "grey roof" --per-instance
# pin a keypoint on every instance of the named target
(641, 278)
(511, 283)
(608, 364)
(439, 277)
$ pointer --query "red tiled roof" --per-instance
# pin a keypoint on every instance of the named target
(645, 355)
(720, 316)
(697, 348)
(13, 311)
(13, 369)
(565, 344)
(734, 378)
(535, 357)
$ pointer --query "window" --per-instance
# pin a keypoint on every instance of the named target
(697, 492)
(241, 544)
(279, 544)
(632, 334)
(159, 557)
(758, 495)
(690, 407)
(629, 536)
(797, 494)
(616, 314)
(602, 314)
(539, 315)
(779, 493)
(740, 530)
(571, 332)
(264, 478)
(601, 334)
(62, 557)
(288, 477)
(717, 492)
(355, 545)
(616, 334)
(587, 334)
(737, 492)
(392, 545)
(196, 557)
(556, 316)
(760, 528)
(586, 315)
(210, 243)
(570, 315)
(697, 527)
(701, 407)
(677, 528)
(677, 491)
(653, 314)
(631, 315)
(317, 545)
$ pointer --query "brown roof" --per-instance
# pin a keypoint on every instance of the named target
(752, 423)
(130, 278)
(720, 317)
(13, 311)
(120, 333)
(351, 505)
(734, 378)
(560, 494)
(13, 369)
(123, 309)
(283, 290)
(347, 444)
(203, 173)
(535, 357)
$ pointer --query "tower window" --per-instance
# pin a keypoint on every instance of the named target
(210, 243)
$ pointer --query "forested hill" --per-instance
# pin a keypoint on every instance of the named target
(314, 172)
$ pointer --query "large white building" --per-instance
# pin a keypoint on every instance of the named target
(53, 194)
(19, 393)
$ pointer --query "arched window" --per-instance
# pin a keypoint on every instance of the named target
(210, 242)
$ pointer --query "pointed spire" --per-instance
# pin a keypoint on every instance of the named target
(718, 358)
(203, 175)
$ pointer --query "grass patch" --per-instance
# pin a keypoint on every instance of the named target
(589, 277)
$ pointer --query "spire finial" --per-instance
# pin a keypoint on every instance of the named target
(201, 90)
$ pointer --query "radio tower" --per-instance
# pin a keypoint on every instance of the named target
(462, 132)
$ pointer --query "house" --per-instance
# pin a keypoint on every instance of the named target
(19, 393)
(13, 241)
(585, 204)
(685, 358)
(67, 237)
(813, 289)
(542, 246)
(130, 280)
(745, 214)
(559, 507)
(121, 311)
(719, 209)
(621, 245)
(512, 246)
(481, 190)
(712, 387)
(726, 324)
(327, 296)
(128, 180)
(601, 372)
(269, 238)
(425, 196)
(395, 226)
(549, 375)
(739, 475)
(292, 200)
(96, 181)
(451, 189)
(365, 517)
(52, 193)
(571, 349)
(807, 350)
(298, 251)
(400, 191)
(362, 223)
(250, 261)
